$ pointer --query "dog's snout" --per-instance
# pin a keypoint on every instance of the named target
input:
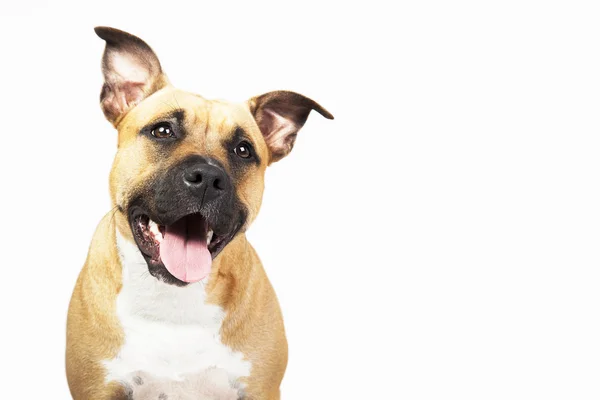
(206, 180)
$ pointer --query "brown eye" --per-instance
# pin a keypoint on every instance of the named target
(163, 131)
(243, 150)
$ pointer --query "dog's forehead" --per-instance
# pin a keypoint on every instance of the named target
(217, 118)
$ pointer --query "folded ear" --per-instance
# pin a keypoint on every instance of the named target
(280, 115)
(131, 70)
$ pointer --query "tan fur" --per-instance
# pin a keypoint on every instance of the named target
(136, 94)
(238, 283)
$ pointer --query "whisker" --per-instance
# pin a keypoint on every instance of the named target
(171, 106)
(175, 98)
(114, 212)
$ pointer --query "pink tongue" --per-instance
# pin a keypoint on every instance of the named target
(184, 250)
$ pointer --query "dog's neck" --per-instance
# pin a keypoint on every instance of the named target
(150, 298)
(167, 326)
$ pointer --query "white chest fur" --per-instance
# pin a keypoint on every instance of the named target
(169, 331)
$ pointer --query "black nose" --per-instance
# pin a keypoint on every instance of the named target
(206, 181)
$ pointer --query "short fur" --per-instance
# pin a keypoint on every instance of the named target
(136, 93)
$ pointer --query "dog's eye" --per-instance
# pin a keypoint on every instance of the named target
(244, 150)
(163, 131)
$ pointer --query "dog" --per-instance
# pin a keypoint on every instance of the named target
(172, 297)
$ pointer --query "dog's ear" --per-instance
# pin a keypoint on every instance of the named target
(280, 115)
(131, 71)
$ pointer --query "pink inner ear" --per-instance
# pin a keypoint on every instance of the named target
(279, 132)
(130, 75)
(280, 115)
(119, 97)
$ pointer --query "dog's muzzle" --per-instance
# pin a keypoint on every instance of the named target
(185, 218)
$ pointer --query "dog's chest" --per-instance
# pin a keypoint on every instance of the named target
(170, 331)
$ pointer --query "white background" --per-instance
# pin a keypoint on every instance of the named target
(438, 240)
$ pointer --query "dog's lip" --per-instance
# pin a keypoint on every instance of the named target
(217, 244)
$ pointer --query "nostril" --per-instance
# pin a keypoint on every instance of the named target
(206, 178)
(218, 184)
(194, 177)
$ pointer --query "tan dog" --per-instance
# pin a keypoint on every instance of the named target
(172, 297)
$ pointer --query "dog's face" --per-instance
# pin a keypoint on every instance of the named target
(188, 175)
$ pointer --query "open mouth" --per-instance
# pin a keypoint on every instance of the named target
(185, 248)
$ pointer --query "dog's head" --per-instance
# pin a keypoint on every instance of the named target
(188, 175)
